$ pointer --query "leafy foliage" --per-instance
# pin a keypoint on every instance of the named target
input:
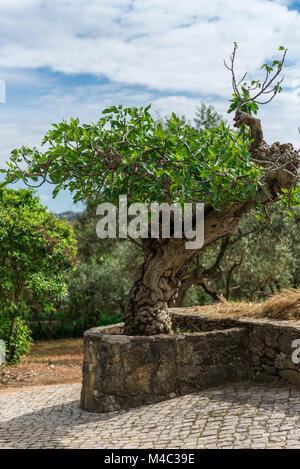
(246, 95)
(127, 152)
(36, 249)
(18, 344)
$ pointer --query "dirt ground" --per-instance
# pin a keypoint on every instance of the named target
(49, 362)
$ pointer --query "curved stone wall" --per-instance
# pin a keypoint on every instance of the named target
(270, 343)
(121, 372)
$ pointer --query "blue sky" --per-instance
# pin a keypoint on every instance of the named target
(65, 58)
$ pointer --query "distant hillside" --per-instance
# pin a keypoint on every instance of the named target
(69, 216)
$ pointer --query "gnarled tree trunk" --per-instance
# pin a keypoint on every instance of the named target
(166, 261)
(156, 284)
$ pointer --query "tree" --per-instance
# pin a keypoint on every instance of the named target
(206, 118)
(126, 152)
(36, 248)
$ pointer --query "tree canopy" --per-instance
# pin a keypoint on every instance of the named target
(127, 152)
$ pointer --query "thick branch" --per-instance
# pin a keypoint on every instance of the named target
(243, 118)
(280, 162)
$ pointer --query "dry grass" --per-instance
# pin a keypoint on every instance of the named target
(281, 307)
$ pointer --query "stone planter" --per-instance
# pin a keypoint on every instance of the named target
(120, 372)
(270, 343)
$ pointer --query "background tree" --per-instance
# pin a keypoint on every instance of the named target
(261, 258)
(126, 152)
(36, 248)
(206, 117)
(98, 289)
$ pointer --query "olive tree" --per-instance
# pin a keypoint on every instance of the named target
(127, 152)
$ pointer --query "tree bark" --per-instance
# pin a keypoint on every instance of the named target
(198, 274)
(166, 262)
(156, 285)
(182, 292)
(10, 340)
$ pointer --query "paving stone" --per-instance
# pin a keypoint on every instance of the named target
(242, 415)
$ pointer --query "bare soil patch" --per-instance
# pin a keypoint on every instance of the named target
(49, 362)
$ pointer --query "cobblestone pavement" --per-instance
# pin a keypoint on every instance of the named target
(243, 415)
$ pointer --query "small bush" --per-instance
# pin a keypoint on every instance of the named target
(19, 344)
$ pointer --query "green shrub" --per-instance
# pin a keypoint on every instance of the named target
(36, 252)
(17, 340)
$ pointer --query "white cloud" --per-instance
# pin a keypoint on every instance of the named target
(27, 126)
(174, 51)
(166, 45)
